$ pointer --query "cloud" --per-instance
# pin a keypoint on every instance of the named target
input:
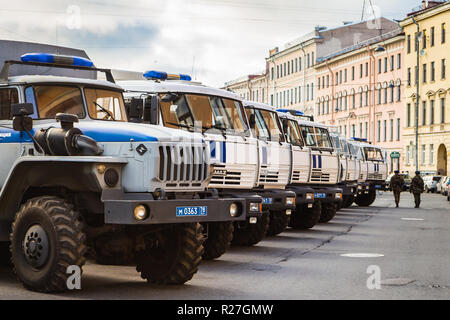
(218, 39)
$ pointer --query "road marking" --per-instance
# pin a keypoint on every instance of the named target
(362, 255)
(413, 219)
(396, 282)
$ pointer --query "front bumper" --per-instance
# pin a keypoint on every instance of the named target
(304, 195)
(119, 209)
(249, 197)
(276, 200)
(349, 189)
(328, 194)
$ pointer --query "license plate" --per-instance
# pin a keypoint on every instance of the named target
(320, 195)
(192, 211)
(267, 200)
(377, 187)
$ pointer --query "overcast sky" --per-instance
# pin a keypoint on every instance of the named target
(215, 40)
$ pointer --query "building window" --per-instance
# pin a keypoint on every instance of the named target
(443, 33)
(379, 65)
(353, 130)
(408, 43)
(431, 111)
(299, 94)
(407, 155)
(409, 76)
(399, 60)
(424, 39)
(398, 129)
(443, 69)
(345, 75)
(271, 99)
(392, 63)
(353, 101)
(284, 70)
(312, 91)
(392, 93)
(345, 102)
(288, 67)
(328, 80)
(312, 58)
(379, 96)
(367, 69)
(385, 95)
(378, 130)
(384, 130)
(360, 130)
(408, 115)
(360, 70)
(424, 113)
(442, 110)
(295, 95)
(299, 64)
(336, 79)
(399, 93)
(424, 73)
(366, 126)
(431, 153)
(278, 72)
(360, 99)
(308, 61)
(366, 98)
(328, 107)
(422, 158)
(432, 37)
(287, 98)
(385, 64)
(271, 73)
(307, 92)
(416, 80)
(391, 130)
(432, 71)
(292, 66)
(340, 76)
(353, 73)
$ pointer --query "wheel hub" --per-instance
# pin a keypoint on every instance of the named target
(35, 246)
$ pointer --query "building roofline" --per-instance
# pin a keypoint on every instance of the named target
(431, 11)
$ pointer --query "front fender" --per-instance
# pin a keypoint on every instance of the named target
(73, 173)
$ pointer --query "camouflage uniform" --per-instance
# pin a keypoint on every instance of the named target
(396, 185)
(417, 188)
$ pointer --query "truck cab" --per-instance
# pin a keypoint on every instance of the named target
(76, 174)
(347, 171)
(273, 164)
(373, 172)
(323, 171)
(220, 117)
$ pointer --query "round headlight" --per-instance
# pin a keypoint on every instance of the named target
(234, 210)
(111, 177)
(140, 212)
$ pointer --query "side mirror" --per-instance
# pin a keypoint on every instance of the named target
(21, 119)
(252, 121)
(135, 110)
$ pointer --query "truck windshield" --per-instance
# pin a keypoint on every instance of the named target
(337, 143)
(105, 104)
(344, 146)
(209, 112)
(354, 150)
(293, 133)
(268, 124)
(323, 138)
(308, 135)
(51, 99)
(372, 154)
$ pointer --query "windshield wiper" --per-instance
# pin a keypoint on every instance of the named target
(104, 110)
(216, 126)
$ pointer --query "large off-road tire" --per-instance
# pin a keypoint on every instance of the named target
(252, 233)
(304, 217)
(171, 256)
(366, 200)
(328, 212)
(46, 239)
(279, 221)
(219, 239)
(348, 201)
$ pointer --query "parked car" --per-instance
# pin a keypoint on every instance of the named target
(405, 176)
(446, 187)
(441, 185)
(431, 182)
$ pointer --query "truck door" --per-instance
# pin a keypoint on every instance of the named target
(10, 140)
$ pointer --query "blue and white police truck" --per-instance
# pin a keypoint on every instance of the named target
(274, 164)
(323, 172)
(75, 174)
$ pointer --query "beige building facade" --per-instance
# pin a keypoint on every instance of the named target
(433, 78)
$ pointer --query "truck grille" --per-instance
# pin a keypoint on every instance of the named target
(374, 176)
(222, 176)
(318, 176)
(182, 165)
(267, 176)
(296, 175)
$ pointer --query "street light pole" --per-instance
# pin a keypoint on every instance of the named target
(416, 158)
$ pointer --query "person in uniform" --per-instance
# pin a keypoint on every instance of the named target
(417, 188)
(396, 185)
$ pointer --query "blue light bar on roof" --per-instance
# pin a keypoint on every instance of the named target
(161, 75)
(358, 139)
(297, 113)
(57, 59)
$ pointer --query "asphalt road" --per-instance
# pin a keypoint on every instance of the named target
(304, 264)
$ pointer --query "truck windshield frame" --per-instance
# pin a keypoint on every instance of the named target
(206, 111)
(373, 154)
(268, 126)
(294, 135)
